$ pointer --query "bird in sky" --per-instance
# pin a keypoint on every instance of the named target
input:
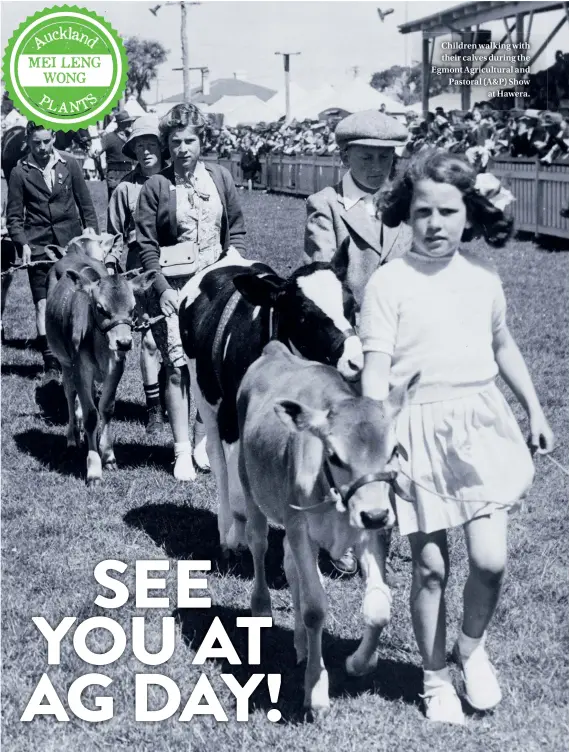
(155, 10)
(383, 13)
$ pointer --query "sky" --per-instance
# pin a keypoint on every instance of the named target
(241, 38)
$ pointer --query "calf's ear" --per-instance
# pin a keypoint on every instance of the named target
(258, 291)
(143, 281)
(81, 282)
(399, 396)
(299, 417)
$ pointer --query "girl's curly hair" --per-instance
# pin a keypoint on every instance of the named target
(181, 116)
(438, 165)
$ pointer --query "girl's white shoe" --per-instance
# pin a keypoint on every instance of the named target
(480, 680)
(184, 469)
(442, 704)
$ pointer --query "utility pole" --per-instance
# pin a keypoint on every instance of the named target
(286, 61)
(204, 70)
(184, 40)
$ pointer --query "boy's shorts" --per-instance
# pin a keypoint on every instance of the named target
(37, 276)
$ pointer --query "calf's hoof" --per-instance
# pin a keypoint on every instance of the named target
(93, 482)
(111, 465)
(261, 606)
(318, 714)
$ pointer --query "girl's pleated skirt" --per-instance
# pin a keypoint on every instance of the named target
(469, 448)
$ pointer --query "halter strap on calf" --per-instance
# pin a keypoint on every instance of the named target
(364, 480)
(112, 323)
(228, 311)
(216, 354)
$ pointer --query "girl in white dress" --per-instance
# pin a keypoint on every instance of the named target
(440, 311)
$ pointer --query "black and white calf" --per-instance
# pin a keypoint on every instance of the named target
(228, 313)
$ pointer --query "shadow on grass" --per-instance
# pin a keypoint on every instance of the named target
(543, 242)
(51, 400)
(391, 680)
(131, 412)
(20, 344)
(25, 370)
(191, 533)
(51, 450)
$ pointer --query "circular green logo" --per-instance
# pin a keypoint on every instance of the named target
(65, 67)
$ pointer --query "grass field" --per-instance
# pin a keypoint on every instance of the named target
(54, 532)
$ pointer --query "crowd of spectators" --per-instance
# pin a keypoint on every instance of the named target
(308, 137)
(484, 132)
(480, 134)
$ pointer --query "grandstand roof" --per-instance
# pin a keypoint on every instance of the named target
(226, 87)
(472, 14)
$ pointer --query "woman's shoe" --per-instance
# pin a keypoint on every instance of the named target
(154, 420)
(480, 680)
(183, 465)
(346, 564)
(442, 705)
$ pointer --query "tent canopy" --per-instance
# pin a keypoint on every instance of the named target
(448, 100)
(355, 96)
(133, 108)
(246, 111)
(299, 98)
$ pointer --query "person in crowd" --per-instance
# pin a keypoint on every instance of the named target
(349, 211)
(118, 163)
(250, 165)
(48, 203)
(142, 145)
(438, 315)
(188, 205)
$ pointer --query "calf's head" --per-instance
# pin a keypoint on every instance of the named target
(315, 311)
(111, 302)
(98, 247)
(358, 443)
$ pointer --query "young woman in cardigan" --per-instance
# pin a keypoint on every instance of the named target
(188, 202)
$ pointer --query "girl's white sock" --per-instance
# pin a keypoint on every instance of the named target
(433, 679)
(182, 447)
(467, 645)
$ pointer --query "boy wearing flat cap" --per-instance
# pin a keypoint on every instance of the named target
(367, 142)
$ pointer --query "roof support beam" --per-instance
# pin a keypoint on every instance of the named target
(490, 57)
(440, 24)
(548, 40)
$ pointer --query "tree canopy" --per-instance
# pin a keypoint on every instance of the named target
(404, 82)
(144, 57)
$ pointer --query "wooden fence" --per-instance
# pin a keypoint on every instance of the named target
(541, 191)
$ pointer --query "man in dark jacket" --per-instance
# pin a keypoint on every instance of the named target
(48, 202)
(118, 164)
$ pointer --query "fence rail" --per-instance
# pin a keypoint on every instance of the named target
(541, 191)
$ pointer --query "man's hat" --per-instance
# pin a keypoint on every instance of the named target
(122, 116)
(370, 128)
(147, 125)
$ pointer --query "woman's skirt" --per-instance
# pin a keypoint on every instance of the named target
(470, 449)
